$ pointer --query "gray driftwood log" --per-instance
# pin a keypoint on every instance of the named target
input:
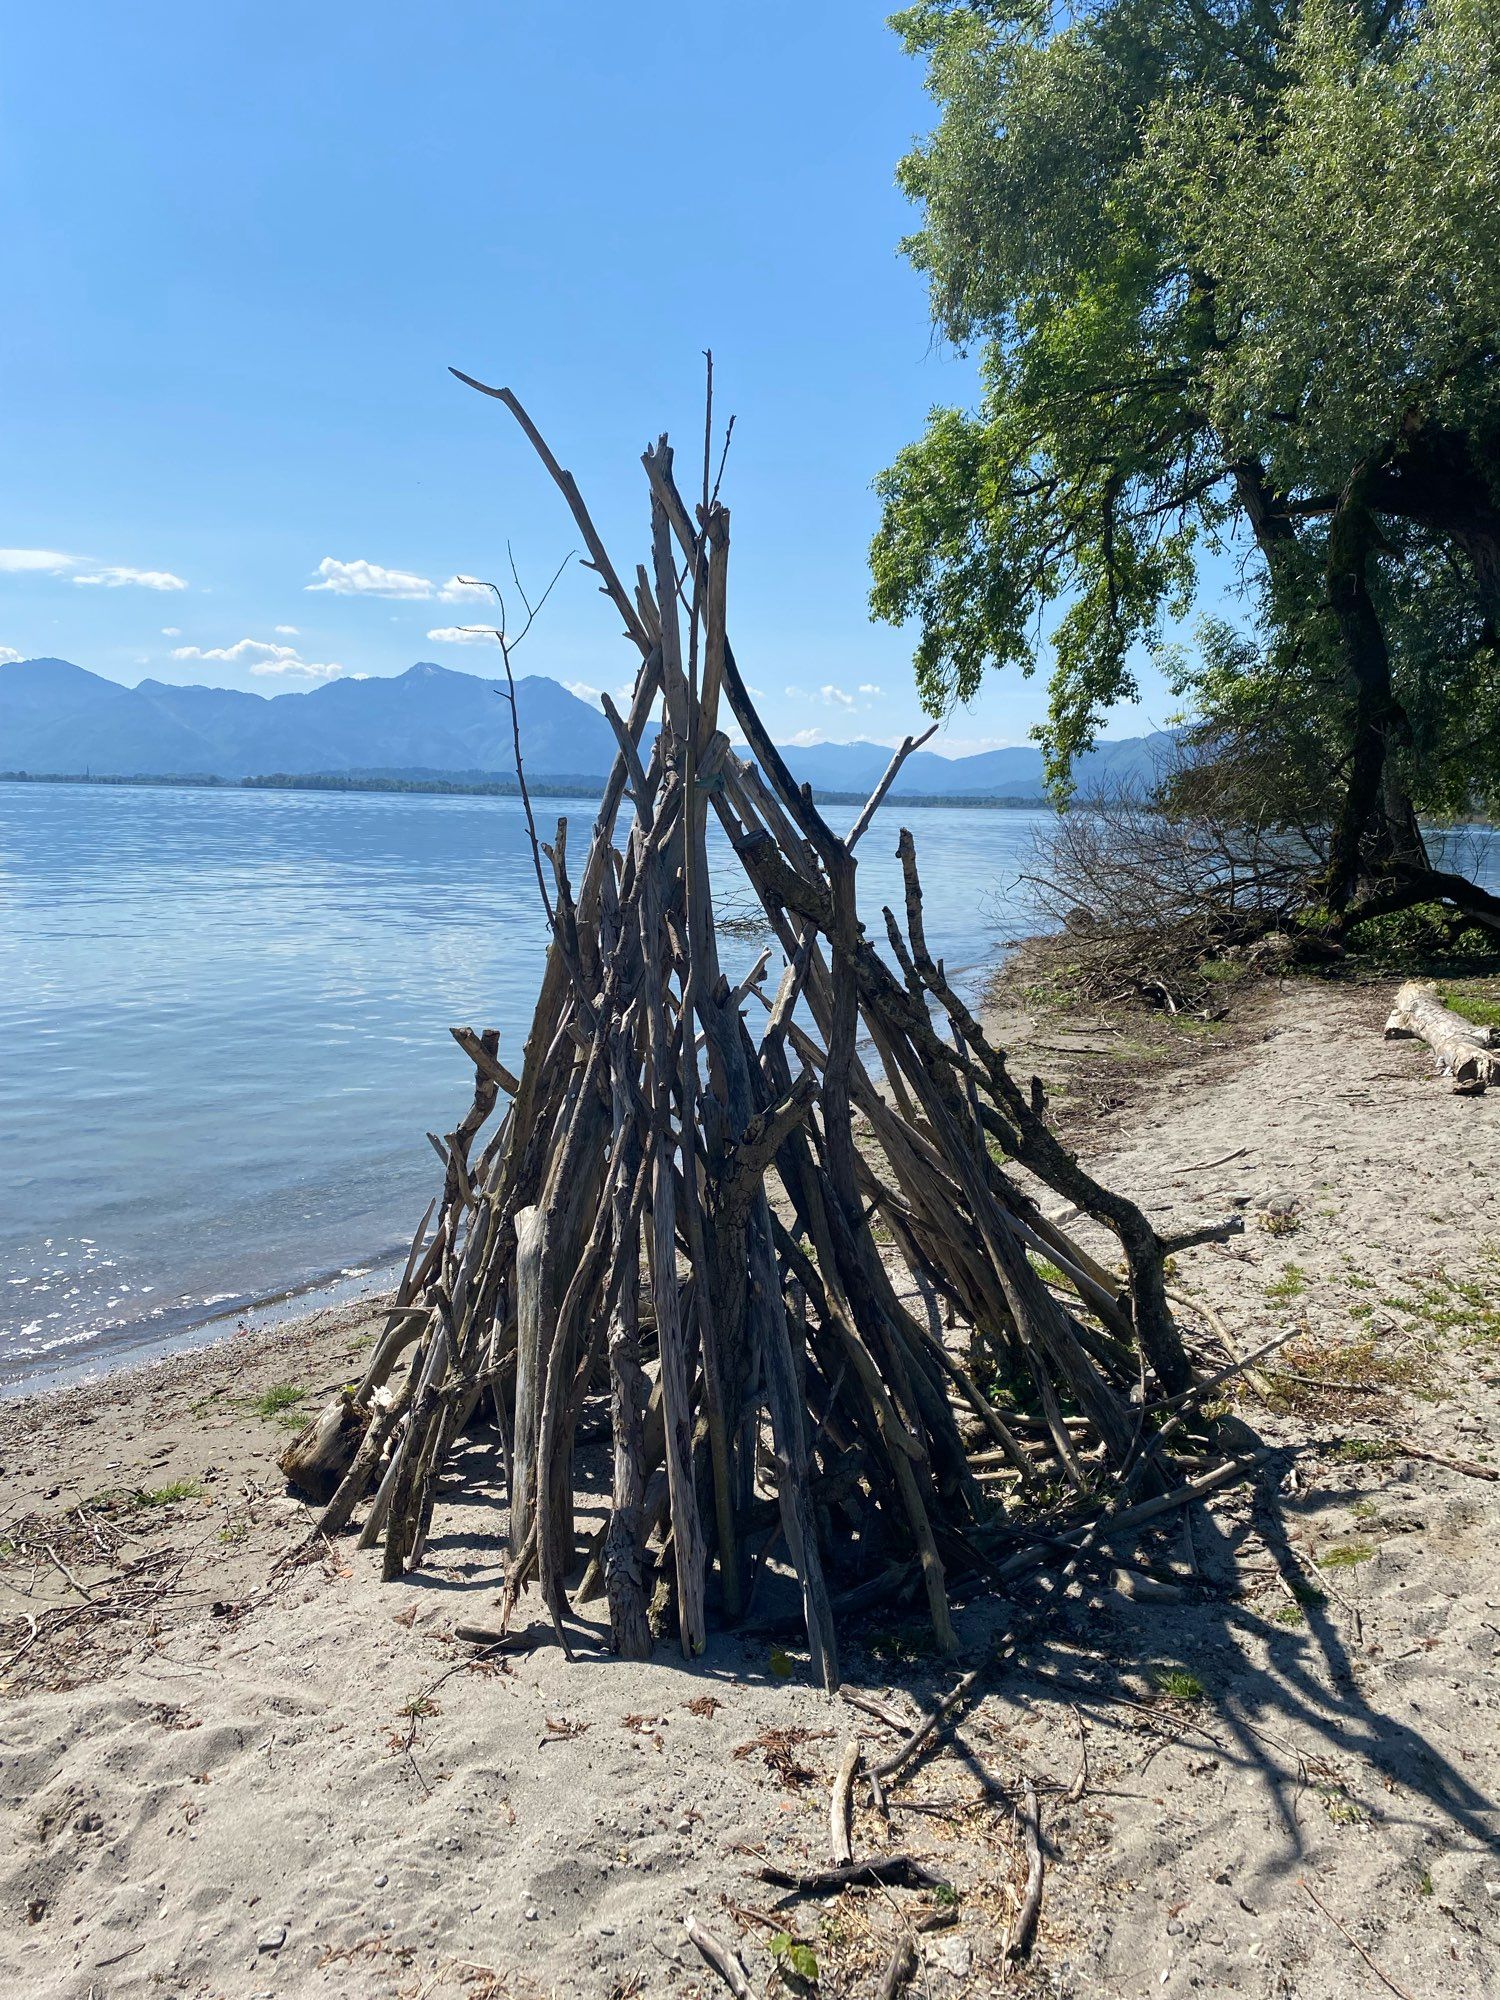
(1463, 1052)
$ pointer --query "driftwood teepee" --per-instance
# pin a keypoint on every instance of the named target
(789, 1279)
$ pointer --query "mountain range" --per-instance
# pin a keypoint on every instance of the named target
(60, 720)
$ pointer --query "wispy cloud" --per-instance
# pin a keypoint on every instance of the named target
(262, 657)
(461, 635)
(8, 655)
(171, 631)
(583, 691)
(361, 578)
(314, 670)
(287, 631)
(805, 738)
(836, 697)
(34, 562)
(115, 576)
(83, 569)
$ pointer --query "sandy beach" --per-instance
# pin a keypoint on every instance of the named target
(235, 1763)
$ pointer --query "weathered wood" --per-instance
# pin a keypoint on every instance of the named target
(1464, 1053)
(777, 1308)
(624, 1545)
(318, 1458)
(841, 1801)
(530, 1228)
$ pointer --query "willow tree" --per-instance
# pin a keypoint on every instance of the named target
(1233, 267)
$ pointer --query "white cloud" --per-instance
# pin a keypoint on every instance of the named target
(262, 657)
(240, 654)
(8, 655)
(461, 635)
(868, 687)
(113, 576)
(583, 691)
(366, 579)
(43, 562)
(805, 738)
(287, 631)
(316, 670)
(51, 562)
(171, 631)
(835, 697)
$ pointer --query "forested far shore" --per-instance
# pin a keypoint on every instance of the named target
(502, 788)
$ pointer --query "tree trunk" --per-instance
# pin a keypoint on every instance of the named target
(1376, 823)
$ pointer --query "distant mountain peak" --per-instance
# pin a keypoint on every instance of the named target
(61, 719)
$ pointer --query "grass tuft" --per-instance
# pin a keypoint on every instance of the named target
(1349, 1555)
(280, 1396)
(1177, 1684)
(164, 1496)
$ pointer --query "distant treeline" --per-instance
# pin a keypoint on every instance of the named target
(470, 787)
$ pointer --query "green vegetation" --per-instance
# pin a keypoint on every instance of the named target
(165, 1496)
(798, 1959)
(1349, 1556)
(1483, 1009)
(1234, 276)
(280, 1399)
(1291, 1283)
(1367, 1451)
(1177, 1684)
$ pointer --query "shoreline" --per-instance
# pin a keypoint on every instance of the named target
(224, 1321)
(1303, 1684)
(481, 788)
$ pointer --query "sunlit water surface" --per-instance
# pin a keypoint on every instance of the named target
(223, 1030)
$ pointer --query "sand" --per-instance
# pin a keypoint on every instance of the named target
(233, 1766)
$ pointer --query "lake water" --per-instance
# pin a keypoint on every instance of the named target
(223, 1030)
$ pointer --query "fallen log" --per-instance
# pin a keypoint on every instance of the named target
(318, 1457)
(1464, 1053)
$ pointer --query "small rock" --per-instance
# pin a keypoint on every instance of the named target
(956, 1955)
(531, 1913)
(381, 1879)
(685, 1825)
(272, 1939)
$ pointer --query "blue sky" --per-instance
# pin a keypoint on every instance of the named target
(245, 241)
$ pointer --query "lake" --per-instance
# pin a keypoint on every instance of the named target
(224, 1030)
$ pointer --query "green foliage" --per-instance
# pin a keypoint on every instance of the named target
(279, 1397)
(1291, 1282)
(1479, 1008)
(165, 1496)
(798, 1959)
(1349, 1556)
(1422, 935)
(1177, 1684)
(1219, 262)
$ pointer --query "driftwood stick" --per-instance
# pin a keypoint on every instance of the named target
(901, 1870)
(840, 1802)
(1018, 1944)
(892, 771)
(900, 1969)
(726, 1962)
(931, 1722)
